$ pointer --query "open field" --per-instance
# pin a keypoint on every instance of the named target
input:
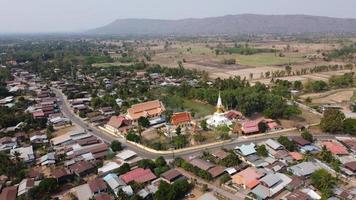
(269, 59)
(200, 109)
(110, 64)
(334, 96)
(202, 56)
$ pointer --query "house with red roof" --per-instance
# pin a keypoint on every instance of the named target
(335, 148)
(118, 124)
(9, 193)
(138, 175)
(247, 178)
(250, 127)
(182, 119)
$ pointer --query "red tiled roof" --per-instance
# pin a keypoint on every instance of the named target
(5, 139)
(233, 114)
(202, 164)
(296, 156)
(118, 121)
(97, 185)
(171, 174)
(300, 140)
(250, 127)
(39, 113)
(145, 109)
(335, 148)
(81, 167)
(216, 171)
(297, 195)
(221, 154)
(60, 172)
(104, 196)
(351, 166)
(138, 175)
(180, 118)
(9, 193)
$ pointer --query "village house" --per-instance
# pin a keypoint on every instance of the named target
(108, 167)
(25, 185)
(171, 175)
(47, 159)
(304, 169)
(97, 186)
(62, 175)
(250, 127)
(350, 168)
(9, 193)
(118, 125)
(139, 175)
(114, 182)
(39, 138)
(25, 153)
(82, 168)
(335, 148)
(7, 143)
(248, 178)
(270, 185)
(129, 157)
(202, 164)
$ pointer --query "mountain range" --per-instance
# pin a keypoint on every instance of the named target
(230, 25)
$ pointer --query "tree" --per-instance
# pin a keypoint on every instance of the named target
(297, 85)
(146, 164)
(116, 146)
(262, 151)
(172, 192)
(144, 122)
(289, 145)
(349, 126)
(308, 136)
(160, 161)
(324, 182)
(123, 169)
(178, 130)
(225, 178)
(82, 114)
(332, 121)
(204, 125)
(44, 189)
(133, 137)
(231, 160)
(180, 141)
(262, 127)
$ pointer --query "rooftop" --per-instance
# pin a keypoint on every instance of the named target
(171, 174)
(202, 164)
(335, 148)
(181, 117)
(138, 175)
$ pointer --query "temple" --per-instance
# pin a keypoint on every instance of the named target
(218, 118)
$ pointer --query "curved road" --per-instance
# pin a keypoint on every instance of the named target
(67, 111)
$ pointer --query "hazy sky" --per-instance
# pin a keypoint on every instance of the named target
(77, 15)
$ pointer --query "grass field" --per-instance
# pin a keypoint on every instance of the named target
(110, 64)
(268, 59)
(200, 109)
(195, 50)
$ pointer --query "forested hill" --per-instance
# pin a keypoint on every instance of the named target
(230, 24)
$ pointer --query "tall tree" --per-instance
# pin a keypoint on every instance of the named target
(332, 121)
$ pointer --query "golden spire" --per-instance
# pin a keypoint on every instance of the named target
(219, 106)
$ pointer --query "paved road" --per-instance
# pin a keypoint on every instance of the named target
(67, 111)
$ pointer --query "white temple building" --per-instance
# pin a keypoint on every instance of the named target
(218, 118)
